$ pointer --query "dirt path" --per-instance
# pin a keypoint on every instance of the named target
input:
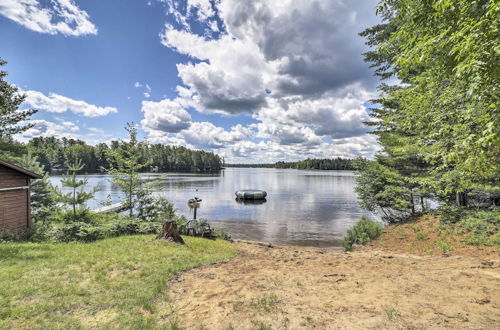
(292, 288)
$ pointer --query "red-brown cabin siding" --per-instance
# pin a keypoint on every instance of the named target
(14, 203)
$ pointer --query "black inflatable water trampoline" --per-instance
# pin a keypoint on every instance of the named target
(250, 194)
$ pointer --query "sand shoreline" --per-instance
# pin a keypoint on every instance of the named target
(272, 245)
(287, 287)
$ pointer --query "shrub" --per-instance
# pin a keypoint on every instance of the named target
(103, 218)
(197, 228)
(444, 247)
(451, 213)
(10, 236)
(68, 232)
(123, 227)
(483, 226)
(200, 228)
(39, 232)
(149, 228)
(154, 209)
(223, 235)
(36, 233)
(131, 227)
(91, 233)
(84, 232)
(76, 231)
(66, 216)
(362, 232)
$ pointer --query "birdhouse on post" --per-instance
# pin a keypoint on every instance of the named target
(194, 204)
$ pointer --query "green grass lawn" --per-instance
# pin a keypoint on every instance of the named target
(113, 283)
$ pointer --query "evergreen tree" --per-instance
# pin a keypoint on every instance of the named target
(126, 159)
(77, 197)
(439, 128)
(42, 192)
(11, 117)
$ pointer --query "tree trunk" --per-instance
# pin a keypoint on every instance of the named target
(412, 203)
(169, 232)
(130, 195)
(461, 198)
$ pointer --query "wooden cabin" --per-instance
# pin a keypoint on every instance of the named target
(15, 203)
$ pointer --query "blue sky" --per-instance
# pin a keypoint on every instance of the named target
(251, 81)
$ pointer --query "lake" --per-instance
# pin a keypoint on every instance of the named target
(311, 208)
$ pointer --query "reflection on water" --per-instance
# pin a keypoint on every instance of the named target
(302, 207)
(250, 201)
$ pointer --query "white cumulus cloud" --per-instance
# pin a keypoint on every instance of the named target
(58, 103)
(46, 128)
(166, 116)
(57, 16)
(296, 67)
(207, 135)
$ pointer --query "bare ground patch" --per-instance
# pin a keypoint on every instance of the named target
(291, 288)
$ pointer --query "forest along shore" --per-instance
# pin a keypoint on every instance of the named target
(283, 287)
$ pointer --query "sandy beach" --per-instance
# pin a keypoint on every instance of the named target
(283, 287)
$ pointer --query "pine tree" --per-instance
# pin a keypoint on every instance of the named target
(126, 158)
(42, 191)
(11, 117)
(77, 198)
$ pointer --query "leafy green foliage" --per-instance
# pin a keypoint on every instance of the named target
(11, 118)
(200, 228)
(52, 151)
(11, 236)
(75, 231)
(223, 235)
(89, 232)
(154, 209)
(318, 164)
(11, 150)
(381, 187)
(363, 231)
(307, 164)
(444, 247)
(197, 228)
(451, 214)
(482, 226)
(439, 128)
(67, 215)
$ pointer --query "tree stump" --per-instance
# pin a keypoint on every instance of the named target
(170, 233)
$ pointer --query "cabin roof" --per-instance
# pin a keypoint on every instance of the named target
(20, 169)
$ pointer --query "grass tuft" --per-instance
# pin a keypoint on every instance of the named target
(267, 303)
(391, 312)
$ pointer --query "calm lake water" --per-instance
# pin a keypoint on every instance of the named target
(313, 208)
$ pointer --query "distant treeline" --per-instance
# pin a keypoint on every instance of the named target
(54, 153)
(308, 164)
(251, 165)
